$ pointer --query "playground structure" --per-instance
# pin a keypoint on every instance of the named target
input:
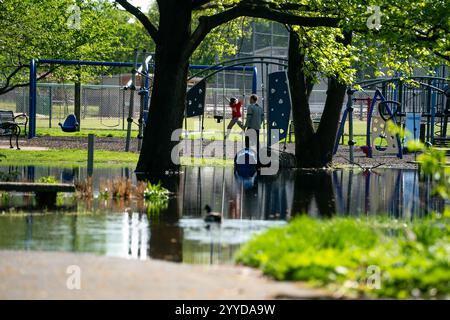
(273, 92)
(239, 77)
(420, 105)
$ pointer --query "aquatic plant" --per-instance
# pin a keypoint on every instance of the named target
(155, 193)
(47, 179)
(121, 188)
(5, 198)
(374, 257)
(84, 188)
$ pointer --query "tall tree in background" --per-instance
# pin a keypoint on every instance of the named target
(43, 30)
(176, 41)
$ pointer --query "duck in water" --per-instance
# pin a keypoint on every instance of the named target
(212, 217)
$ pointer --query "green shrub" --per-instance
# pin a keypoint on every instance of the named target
(413, 257)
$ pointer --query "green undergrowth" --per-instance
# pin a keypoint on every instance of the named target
(373, 257)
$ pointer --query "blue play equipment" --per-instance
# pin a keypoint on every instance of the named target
(412, 127)
(279, 108)
(245, 161)
(144, 91)
(274, 99)
(387, 112)
(420, 104)
(195, 98)
(70, 124)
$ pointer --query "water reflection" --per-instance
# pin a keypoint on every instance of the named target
(178, 233)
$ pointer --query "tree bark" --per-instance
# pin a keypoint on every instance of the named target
(169, 88)
(313, 149)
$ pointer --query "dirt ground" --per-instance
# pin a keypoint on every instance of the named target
(51, 275)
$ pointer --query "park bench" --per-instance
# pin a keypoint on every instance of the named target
(10, 125)
(45, 192)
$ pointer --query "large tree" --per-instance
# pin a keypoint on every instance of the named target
(176, 37)
(408, 34)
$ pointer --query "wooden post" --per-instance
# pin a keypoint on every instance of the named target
(90, 159)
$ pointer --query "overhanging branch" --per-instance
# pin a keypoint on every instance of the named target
(207, 23)
(7, 88)
(196, 4)
(148, 25)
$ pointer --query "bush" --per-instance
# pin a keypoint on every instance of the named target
(342, 254)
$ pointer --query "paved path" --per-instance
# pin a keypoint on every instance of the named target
(42, 275)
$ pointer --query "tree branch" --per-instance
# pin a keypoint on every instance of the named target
(197, 4)
(148, 25)
(6, 89)
(9, 77)
(441, 55)
(207, 23)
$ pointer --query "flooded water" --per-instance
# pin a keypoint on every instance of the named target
(178, 232)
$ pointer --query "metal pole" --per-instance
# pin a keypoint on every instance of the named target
(131, 107)
(142, 92)
(50, 107)
(78, 100)
(32, 102)
(351, 142)
(224, 117)
(243, 101)
(123, 108)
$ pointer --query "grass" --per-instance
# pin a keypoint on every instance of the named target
(70, 157)
(67, 157)
(346, 255)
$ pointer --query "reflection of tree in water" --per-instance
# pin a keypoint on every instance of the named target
(309, 185)
(165, 235)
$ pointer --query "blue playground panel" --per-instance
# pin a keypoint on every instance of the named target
(412, 127)
(279, 104)
(195, 100)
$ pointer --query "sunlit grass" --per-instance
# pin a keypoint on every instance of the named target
(66, 157)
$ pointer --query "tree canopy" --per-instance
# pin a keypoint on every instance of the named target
(47, 29)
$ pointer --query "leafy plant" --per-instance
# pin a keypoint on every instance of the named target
(48, 179)
(155, 193)
(412, 257)
(433, 163)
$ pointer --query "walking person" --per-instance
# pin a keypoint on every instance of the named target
(235, 106)
(254, 118)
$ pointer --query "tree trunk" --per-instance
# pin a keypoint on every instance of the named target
(169, 88)
(312, 149)
(303, 126)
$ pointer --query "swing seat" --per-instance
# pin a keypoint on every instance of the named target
(218, 118)
(70, 124)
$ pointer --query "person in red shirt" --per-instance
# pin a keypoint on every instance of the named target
(235, 106)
